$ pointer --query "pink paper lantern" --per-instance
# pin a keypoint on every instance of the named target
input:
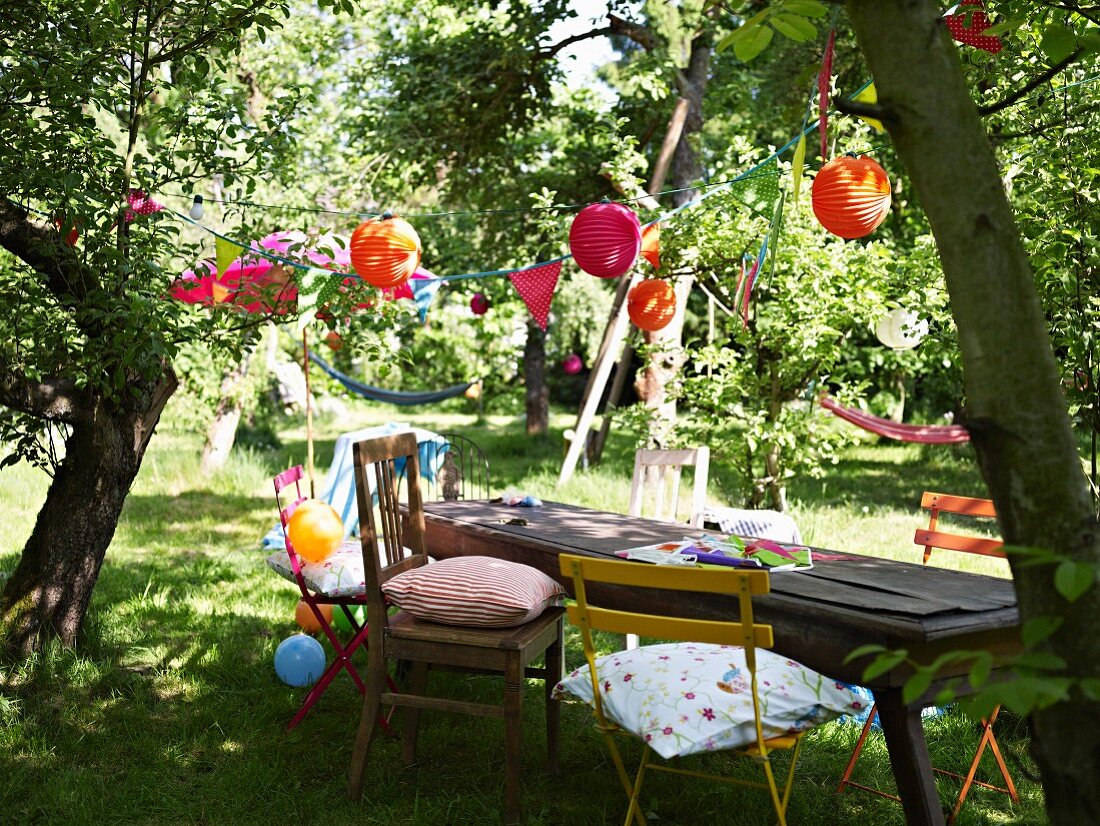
(479, 304)
(572, 364)
(605, 239)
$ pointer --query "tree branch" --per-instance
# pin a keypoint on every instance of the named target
(641, 35)
(58, 400)
(1032, 85)
(861, 109)
(546, 52)
(42, 249)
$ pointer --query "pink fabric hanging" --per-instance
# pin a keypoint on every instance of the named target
(927, 434)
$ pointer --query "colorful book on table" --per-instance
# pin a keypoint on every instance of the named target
(731, 551)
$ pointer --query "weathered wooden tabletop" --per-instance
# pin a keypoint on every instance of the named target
(818, 615)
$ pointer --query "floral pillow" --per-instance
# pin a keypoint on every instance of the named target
(474, 590)
(683, 698)
(340, 574)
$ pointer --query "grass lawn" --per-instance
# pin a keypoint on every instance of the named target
(170, 711)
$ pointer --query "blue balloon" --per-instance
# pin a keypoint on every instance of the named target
(299, 660)
(531, 502)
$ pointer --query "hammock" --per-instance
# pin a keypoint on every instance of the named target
(928, 434)
(405, 398)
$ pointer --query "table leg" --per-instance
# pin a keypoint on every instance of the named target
(909, 758)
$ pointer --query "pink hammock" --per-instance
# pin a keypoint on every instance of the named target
(928, 434)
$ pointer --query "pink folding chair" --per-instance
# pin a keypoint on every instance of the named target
(314, 598)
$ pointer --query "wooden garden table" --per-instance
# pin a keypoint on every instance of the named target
(818, 615)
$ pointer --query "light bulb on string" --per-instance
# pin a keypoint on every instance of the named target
(196, 208)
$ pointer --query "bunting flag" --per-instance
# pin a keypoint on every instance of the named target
(759, 190)
(424, 291)
(651, 245)
(316, 288)
(140, 204)
(823, 80)
(225, 253)
(535, 286)
(869, 95)
(967, 26)
(797, 163)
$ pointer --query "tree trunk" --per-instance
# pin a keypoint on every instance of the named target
(666, 359)
(534, 375)
(1015, 409)
(222, 431)
(49, 592)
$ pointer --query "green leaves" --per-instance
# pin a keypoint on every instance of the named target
(791, 18)
(1073, 579)
(1058, 42)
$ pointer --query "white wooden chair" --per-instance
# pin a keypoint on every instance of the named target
(663, 468)
(657, 482)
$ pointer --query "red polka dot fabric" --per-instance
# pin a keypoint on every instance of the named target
(140, 204)
(967, 26)
(536, 287)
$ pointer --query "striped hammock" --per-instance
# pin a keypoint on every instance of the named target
(928, 434)
(400, 397)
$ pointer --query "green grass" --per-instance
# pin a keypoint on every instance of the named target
(170, 710)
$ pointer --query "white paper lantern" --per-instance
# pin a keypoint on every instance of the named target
(901, 329)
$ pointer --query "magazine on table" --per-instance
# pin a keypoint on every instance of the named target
(730, 551)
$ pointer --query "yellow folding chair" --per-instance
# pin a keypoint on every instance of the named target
(714, 677)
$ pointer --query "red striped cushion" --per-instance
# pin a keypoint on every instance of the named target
(474, 590)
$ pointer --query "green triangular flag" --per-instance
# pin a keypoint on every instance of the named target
(226, 253)
(759, 189)
(797, 162)
(316, 288)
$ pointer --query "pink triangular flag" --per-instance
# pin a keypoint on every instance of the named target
(535, 286)
(823, 80)
(957, 20)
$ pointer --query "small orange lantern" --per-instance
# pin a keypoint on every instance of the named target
(651, 245)
(651, 304)
(851, 196)
(385, 251)
(333, 341)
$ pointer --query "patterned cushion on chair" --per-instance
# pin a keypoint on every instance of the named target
(474, 590)
(340, 574)
(683, 698)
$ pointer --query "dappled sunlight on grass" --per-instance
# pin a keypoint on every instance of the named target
(171, 710)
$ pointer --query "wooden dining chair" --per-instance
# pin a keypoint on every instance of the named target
(931, 538)
(655, 490)
(402, 638)
(656, 482)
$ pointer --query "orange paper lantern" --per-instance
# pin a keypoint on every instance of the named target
(851, 196)
(385, 251)
(307, 620)
(651, 245)
(651, 304)
(315, 530)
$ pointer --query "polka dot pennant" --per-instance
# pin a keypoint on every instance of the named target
(759, 190)
(140, 204)
(967, 26)
(536, 287)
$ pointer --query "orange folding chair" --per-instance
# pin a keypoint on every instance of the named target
(931, 538)
(331, 584)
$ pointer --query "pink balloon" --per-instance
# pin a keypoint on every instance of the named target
(605, 239)
(479, 304)
(572, 364)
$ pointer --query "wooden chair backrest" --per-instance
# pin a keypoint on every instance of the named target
(932, 537)
(385, 533)
(667, 465)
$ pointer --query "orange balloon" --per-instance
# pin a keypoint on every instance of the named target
(651, 304)
(851, 196)
(385, 251)
(306, 619)
(334, 341)
(315, 530)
